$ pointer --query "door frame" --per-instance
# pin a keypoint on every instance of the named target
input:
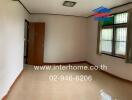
(26, 21)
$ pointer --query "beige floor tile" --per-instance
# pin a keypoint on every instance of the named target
(35, 85)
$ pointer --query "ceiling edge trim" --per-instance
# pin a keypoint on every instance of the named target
(24, 7)
(121, 5)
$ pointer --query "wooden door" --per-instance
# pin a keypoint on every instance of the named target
(36, 43)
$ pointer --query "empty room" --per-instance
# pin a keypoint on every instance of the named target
(65, 50)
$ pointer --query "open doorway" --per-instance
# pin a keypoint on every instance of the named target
(26, 41)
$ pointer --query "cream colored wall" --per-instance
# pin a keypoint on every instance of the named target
(70, 39)
(116, 66)
(12, 17)
(65, 38)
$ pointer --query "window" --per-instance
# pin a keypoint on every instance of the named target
(113, 35)
(120, 42)
(121, 18)
(106, 40)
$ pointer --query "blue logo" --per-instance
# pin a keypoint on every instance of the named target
(102, 14)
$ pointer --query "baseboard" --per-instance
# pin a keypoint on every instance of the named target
(65, 63)
(114, 76)
(5, 97)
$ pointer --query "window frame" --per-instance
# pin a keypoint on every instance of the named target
(114, 26)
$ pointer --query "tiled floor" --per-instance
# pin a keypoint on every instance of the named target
(35, 85)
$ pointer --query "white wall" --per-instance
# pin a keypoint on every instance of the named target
(116, 66)
(65, 38)
(12, 16)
